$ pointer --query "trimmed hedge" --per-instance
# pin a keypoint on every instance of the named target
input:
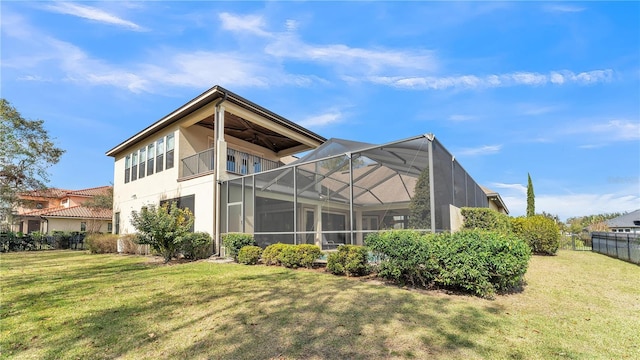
(350, 260)
(249, 255)
(295, 256)
(233, 242)
(540, 232)
(474, 261)
(485, 219)
(196, 245)
(272, 252)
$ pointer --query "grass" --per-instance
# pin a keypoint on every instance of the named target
(69, 305)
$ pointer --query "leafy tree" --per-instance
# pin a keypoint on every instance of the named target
(163, 227)
(26, 153)
(420, 205)
(531, 198)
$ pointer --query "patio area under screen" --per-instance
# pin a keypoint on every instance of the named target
(343, 190)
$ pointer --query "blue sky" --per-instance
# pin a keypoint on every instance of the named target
(546, 88)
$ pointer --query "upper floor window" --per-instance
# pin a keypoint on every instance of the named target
(160, 155)
(127, 166)
(134, 166)
(150, 157)
(143, 161)
(155, 157)
(170, 145)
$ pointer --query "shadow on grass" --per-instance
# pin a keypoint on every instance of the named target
(237, 312)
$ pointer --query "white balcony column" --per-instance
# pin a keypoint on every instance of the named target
(221, 146)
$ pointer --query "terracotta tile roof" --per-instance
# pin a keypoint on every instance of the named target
(47, 193)
(61, 193)
(101, 190)
(73, 212)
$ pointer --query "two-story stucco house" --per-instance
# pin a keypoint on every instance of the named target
(230, 162)
(185, 155)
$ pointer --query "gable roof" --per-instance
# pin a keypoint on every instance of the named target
(629, 220)
(215, 93)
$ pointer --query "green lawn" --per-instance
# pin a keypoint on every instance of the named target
(69, 304)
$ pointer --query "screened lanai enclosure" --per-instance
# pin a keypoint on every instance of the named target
(344, 190)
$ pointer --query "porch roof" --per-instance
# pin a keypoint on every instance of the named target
(219, 93)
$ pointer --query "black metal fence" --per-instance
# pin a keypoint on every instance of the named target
(577, 242)
(624, 246)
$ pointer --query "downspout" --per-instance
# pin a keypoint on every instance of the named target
(216, 183)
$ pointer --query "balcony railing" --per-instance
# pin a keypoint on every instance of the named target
(198, 163)
(238, 162)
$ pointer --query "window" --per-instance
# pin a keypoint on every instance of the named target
(143, 162)
(134, 166)
(109, 227)
(150, 157)
(160, 155)
(127, 166)
(170, 145)
(83, 226)
(117, 220)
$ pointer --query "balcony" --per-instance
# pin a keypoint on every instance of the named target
(238, 162)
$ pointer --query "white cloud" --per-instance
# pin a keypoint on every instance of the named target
(253, 24)
(569, 205)
(609, 130)
(482, 150)
(288, 46)
(92, 13)
(494, 80)
(322, 119)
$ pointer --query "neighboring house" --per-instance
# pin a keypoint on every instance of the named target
(62, 210)
(629, 223)
(231, 162)
(495, 201)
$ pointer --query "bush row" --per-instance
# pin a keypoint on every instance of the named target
(474, 261)
(193, 246)
(291, 256)
(541, 233)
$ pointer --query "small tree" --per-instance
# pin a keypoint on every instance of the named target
(531, 198)
(162, 227)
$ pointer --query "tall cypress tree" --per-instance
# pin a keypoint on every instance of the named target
(531, 198)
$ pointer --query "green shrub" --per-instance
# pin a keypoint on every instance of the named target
(407, 258)
(295, 256)
(271, 253)
(233, 242)
(541, 233)
(350, 260)
(485, 219)
(196, 245)
(474, 261)
(249, 255)
(102, 243)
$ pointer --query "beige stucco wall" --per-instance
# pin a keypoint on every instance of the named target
(153, 188)
(68, 224)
